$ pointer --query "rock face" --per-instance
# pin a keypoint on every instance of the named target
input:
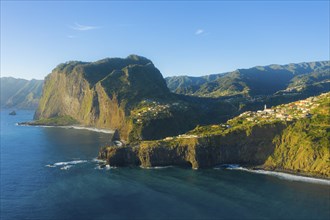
(125, 94)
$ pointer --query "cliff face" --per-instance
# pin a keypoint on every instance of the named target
(270, 147)
(303, 147)
(238, 146)
(101, 94)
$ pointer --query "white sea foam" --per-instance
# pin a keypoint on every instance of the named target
(66, 167)
(92, 129)
(106, 167)
(281, 175)
(98, 160)
(50, 165)
(228, 166)
(291, 177)
(69, 162)
(162, 167)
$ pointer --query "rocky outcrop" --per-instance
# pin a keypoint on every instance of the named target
(120, 156)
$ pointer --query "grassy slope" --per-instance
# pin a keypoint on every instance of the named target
(304, 145)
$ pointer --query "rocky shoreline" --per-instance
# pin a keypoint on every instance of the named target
(253, 149)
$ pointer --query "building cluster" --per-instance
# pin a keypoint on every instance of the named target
(153, 109)
(288, 112)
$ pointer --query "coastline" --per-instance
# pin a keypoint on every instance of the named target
(279, 173)
(78, 127)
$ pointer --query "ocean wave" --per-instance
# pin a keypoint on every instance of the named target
(281, 175)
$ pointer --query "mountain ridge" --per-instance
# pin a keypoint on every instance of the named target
(243, 81)
(20, 93)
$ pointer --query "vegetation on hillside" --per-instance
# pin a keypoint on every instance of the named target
(298, 144)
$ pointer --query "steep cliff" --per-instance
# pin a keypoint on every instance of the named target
(102, 93)
(235, 146)
(125, 94)
(304, 146)
(300, 145)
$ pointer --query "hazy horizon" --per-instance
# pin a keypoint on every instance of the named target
(1, 76)
(180, 38)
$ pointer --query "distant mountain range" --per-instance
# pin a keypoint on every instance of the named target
(20, 93)
(259, 80)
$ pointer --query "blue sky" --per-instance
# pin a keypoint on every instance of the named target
(181, 38)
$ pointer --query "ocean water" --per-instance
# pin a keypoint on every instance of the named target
(51, 173)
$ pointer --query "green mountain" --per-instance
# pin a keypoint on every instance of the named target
(256, 81)
(291, 138)
(20, 93)
(125, 94)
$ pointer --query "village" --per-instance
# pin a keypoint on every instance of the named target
(288, 112)
(151, 109)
